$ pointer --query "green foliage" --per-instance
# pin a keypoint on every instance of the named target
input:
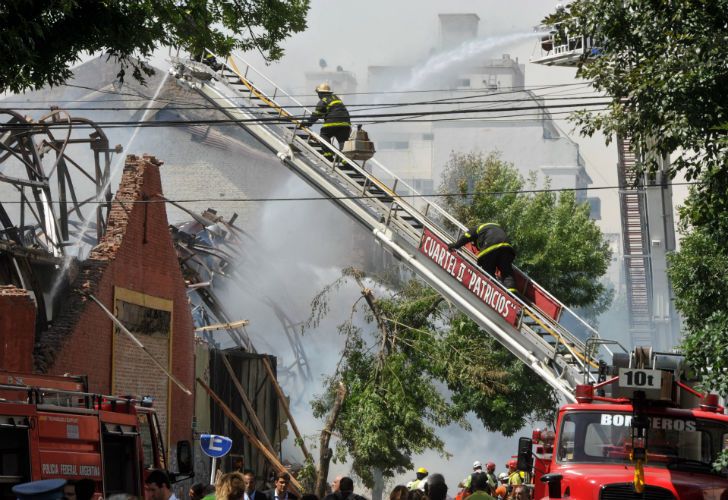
(699, 275)
(394, 402)
(42, 39)
(523, 396)
(663, 66)
(557, 243)
(307, 474)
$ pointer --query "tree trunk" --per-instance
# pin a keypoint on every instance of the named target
(325, 453)
(378, 488)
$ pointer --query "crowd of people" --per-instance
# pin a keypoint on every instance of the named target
(480, 484)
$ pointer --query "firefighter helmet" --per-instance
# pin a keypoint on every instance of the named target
(422, 470)
(324, 88)
(512, 464)
(490, 467)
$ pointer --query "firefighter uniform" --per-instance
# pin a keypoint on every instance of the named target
(337, 122)
(494, 251)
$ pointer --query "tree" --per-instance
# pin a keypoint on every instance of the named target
(392, 406)
(557, 243)
(41, 39)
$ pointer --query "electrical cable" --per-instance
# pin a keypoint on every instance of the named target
(139, 96)
(364, 197)
(286, 120)
(350, 106)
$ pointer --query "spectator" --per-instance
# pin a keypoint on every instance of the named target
(156, 487)
(197, 491)
(230, 486)
(480, 487)
(435, 487)
(251, 493)
(399, 493)
(85, 489)
(346, 490)
(280, 488)
(416, 494)
(69, 491)
(521, 492)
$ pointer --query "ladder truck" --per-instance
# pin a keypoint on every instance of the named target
(52, 427)
(643, 432)
(532, 324)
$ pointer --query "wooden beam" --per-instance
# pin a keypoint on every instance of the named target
(284, 404)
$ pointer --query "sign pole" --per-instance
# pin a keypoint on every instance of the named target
(215, 447)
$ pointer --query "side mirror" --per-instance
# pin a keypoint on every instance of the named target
(184, 457)
(554, 482)
(525, 457)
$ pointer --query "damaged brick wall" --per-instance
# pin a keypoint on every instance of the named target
(136, 254)
(17, 329)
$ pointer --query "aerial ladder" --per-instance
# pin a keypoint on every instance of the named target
(532, 324)
(645, 201)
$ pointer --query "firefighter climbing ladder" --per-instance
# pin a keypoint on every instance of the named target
(534, 325)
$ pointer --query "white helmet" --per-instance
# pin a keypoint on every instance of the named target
(477, 465)
(324, 88)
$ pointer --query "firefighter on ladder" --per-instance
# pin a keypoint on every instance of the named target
(335, 115)
(494, 251)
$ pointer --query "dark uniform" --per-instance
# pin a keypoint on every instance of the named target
(336, 119)
(494, 251)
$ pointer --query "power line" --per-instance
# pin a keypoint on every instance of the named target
(287, 120)
(361, 197)
(139, 96)
(351, 106)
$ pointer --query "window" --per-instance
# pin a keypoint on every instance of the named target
(14, 456)
(673, 441)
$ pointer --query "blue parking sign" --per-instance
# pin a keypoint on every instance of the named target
(215, 446)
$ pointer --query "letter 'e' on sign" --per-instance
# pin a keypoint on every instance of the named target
(215, 446)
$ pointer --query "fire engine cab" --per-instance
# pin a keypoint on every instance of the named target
(640, 433)
(52, 427)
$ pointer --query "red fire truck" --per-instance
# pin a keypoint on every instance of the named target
(52, 427)
(642, 433)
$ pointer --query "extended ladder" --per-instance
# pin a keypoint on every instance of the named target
(537, 328)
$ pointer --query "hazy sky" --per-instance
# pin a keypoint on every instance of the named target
(355, 35)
